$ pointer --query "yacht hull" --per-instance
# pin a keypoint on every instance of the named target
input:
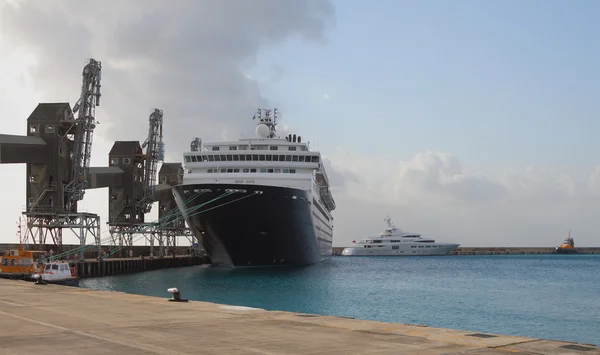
(255, 226)
(437, 249)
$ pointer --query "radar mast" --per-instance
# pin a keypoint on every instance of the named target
(267, 122)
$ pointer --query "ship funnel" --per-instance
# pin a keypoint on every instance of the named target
(299, 139)
(294, 138)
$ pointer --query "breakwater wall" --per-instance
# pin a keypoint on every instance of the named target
(500, 250)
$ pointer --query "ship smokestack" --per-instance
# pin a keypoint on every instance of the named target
(294, 136)
(299, 139)
(290, 138)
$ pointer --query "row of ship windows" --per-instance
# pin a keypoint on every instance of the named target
(262, 170)
(259, 147)
(252, 157)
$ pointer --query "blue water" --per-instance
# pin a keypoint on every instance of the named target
(546, 296)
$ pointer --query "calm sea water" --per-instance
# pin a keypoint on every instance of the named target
(547, 296)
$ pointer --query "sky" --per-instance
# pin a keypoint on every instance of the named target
(466, 121)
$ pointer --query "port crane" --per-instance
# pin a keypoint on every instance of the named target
(84, 130)
(155, 153)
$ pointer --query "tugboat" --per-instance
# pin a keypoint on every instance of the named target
(567, 247)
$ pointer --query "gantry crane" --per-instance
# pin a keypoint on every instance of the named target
(84, 130)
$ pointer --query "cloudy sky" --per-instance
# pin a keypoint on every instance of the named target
(469, 121)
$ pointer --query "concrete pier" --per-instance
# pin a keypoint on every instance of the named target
(50, 319)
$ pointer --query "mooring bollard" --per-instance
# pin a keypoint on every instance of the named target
(176, 295)
(38, 280)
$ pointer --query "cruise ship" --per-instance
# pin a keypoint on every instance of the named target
(258, 202)
(394, 242)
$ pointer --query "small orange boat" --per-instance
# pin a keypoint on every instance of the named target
(20, 264)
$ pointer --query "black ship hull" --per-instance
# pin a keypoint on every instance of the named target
(558, 250)
(256, 225)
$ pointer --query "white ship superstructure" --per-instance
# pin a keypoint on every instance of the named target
(394, 242)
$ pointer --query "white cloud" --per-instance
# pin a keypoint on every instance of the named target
(326, 97)
(184, 58)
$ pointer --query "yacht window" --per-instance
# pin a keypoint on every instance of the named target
(211, 158)
(255, 157)
(261, 157)
(230, 170)
(204, 158)
(315, 159)
(292, 171)
(252, 170)
(275, 157)
(194, 159)
(209, 171)
(288, 158)
(248, 157)
(291, 148)
(270, 170)
(236, 170)
(377, 241)
(277, 170)
(246, 170)
(242, 157)
(223, 157)
(223, 170)
(236, 157)
(215, 148)
(217, 158)
(282, 158)
(243, 147)
(294, 158)
(229, 157)
(301, 158)
(263, 170)
(54, 267)
(187, 159)
(269, 157)
(286, 170)
(233, 147)
(273, 147)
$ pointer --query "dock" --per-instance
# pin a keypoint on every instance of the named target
(51, 319)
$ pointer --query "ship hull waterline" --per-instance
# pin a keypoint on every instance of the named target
(255, 226)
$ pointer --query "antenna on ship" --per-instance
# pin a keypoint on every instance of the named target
(266, 123)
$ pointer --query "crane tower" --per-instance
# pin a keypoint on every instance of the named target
(84, 130)
(155, 153)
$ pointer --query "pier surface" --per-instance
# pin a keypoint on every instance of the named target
(50, 319)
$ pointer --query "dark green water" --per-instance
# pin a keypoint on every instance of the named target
(547, 296)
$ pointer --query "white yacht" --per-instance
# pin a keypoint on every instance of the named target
(394, 242)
